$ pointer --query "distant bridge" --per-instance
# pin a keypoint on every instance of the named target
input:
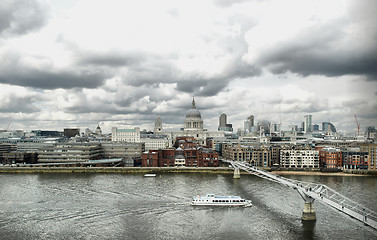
(313, 191)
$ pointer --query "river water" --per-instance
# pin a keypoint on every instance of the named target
(129, 206)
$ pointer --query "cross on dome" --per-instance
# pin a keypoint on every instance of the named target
(193, 103)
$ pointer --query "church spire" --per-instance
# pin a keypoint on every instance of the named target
(193, 103)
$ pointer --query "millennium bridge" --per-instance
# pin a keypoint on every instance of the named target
(310, 192)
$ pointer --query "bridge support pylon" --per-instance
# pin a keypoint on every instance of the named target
(236, 174)
(309, 213)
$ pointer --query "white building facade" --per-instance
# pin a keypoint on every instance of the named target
(125, 135)
(299, 158)
(156, 143)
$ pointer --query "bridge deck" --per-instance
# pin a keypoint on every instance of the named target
(319, 192)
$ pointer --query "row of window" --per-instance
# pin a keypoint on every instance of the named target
(229, 200)
(221, 201)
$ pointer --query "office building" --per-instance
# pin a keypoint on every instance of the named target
(157, 126)
(308, 124)
(249, 124)
(70, 152)
(328, 127)
(223, 125)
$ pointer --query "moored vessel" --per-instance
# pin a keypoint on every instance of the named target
(150, 175)
(213, 200)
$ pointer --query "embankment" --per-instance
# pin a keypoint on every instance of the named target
(116, 170)
(159, 170)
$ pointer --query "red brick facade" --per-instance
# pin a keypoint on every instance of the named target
(194, 157)
(330, 158)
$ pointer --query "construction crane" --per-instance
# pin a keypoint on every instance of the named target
(358, 126)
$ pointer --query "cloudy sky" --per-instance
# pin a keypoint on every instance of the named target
(122, 63)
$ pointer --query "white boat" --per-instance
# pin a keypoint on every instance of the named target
(150, 175)
(212, 200)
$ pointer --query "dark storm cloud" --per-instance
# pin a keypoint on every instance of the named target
(151, 74)
(202, 87)
(44, 79)
(330, 49)
(139, 69)
(13, 71)
(146, 69)
(211, 86)
(87, 106)
(322, 61)
(22, 16)
(15, 104)
(111, 59)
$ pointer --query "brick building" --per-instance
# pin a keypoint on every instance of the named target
(355, 159)
(330, 158)
(192, 157)
(185, 142)
(261, 156)
(237, 152)
(371, 149)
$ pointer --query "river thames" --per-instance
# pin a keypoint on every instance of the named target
(130, 206)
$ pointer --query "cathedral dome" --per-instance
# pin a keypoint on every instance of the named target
(193, 119)
(193, 113)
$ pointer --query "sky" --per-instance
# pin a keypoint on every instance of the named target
(122, 63)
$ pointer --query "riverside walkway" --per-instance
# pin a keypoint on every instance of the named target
(313, 191)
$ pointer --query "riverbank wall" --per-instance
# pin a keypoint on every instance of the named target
(143, 170)
(160, 170)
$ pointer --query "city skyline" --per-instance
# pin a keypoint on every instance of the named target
(81, 63)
